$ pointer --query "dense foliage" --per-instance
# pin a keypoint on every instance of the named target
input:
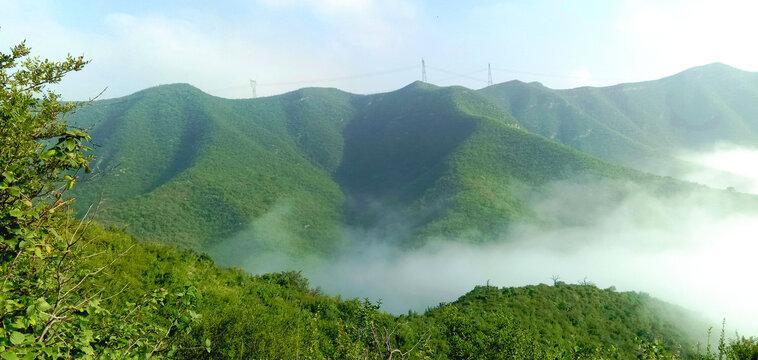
(49, 305)
(279, 316)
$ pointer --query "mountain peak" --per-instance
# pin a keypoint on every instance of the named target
(420, 85)
(175, 88)
(716, 66)
(715, 69)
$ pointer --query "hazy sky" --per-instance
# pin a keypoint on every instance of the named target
(367, 46)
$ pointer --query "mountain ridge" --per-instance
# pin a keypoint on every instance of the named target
(288, 171)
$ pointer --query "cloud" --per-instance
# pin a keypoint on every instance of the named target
(676, 34)
(216, 51)
(694, 248)
(368, 24)
(724, 166)
(580, 77)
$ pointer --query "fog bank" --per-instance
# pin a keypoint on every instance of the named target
(725, 166)
(695, 248)
(697, 251)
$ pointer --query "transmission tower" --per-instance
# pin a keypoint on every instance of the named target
(489, 74)
(423, 70)
(252, 86)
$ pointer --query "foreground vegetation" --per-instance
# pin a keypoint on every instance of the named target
(279, 316)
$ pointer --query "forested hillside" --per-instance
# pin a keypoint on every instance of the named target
(184, 167)
(288, 172)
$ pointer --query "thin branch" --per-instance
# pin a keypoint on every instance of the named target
(96, 271)
(10, 269)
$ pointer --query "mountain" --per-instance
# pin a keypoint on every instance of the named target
(182, 167)
(639, 123)
(185, 167)
(294, 172)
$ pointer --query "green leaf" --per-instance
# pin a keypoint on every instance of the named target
(14, 191)
(8, 177)
(9, 356)
(17, 338)
(208, 345)
(42, 304)
(15, 212)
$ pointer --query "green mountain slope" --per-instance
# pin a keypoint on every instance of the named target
(287, 171)
(184, 167)
(637, 123)
(547, 112)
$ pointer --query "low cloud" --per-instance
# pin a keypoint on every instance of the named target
(695, 249)
(724, 166)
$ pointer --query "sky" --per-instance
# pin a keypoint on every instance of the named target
(370, 46)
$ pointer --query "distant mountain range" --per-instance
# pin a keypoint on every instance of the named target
(182, 167)
(638, 123)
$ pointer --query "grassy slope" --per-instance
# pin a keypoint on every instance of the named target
(279, 316)
(584, 315)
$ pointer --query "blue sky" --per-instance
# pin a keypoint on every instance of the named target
(368, 46)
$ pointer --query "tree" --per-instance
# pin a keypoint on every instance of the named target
(39, 160)
(48, 306)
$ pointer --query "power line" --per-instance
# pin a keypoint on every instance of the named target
(323, 80)
(457, 75)
(348, 77)
(424, 77)
(560, 76)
